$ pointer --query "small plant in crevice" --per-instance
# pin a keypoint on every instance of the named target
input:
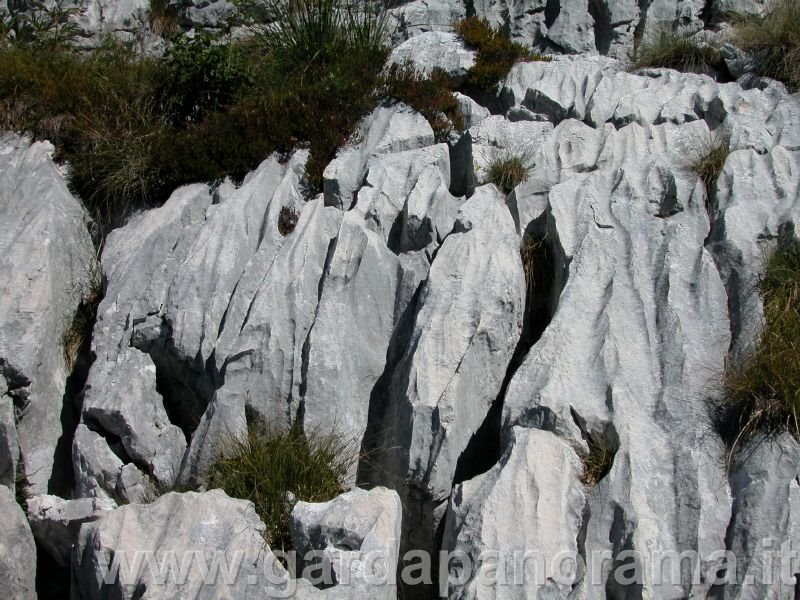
(508, 168)
(531, 252)
(287, 220)
(774, 42)
(79, 330)
(599, 459)
(760, 397)
(679, 51)
(709, 161)
(21, 489)
(268, 467)
(496, 54)
(430, 95)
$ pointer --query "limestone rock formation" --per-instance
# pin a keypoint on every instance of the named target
(46, 269)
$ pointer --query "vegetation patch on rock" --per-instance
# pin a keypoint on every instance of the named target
(673, 50)
(761, 396)
(774, 42)
(273, 469)
(496, 53)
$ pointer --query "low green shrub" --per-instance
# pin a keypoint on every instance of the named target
(206, 76)
(41, 25)
(508, 169)
(496, 53)
(265, 465)
(774, 41)
(677, 51)
(761, 395)
(432, 96)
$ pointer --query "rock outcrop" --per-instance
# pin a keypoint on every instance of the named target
(46, 269)
(17, 550)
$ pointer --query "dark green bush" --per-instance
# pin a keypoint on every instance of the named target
(431, 95)
(496, 53)
(264, 465)
(202, 75)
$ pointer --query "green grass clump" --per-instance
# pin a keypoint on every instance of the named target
(677, 51)
(508, 169)
(265, 465)
(432, 96)
(761, 396)
(709, 162)
(496, 53)
(774, 41)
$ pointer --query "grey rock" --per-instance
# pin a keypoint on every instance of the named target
(436, 50)
(573, 28)
(429, 212)
(463, 335)
(472, 113)
(172, 275)
(358, 531)
(17, 550)
(560, 89)
(418, 16)
(531, 501)
(628, 242)
(192, 529)
(55, 522)
(9, 446)
(388, 129)
(267, 327)
(766, 517)
(756, 198)
(392, 178)
(354, 323)
(46, 257)
(96, 466)
(121, 399)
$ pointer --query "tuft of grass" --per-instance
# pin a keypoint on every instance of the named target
(287, 220)
(597, 462)
(496, 53)
(432, 96)
(162, 17)
(677, 51)
(761, 396)
(774, 42)
(79, 331)
(268, 467)
(508, 169)
(709, 161)
(532, 252)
